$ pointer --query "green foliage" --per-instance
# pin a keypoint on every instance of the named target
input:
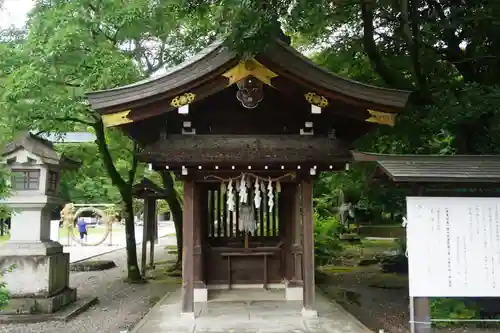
(450, 308)
(327, 245)
(72, 47)
(4, 294)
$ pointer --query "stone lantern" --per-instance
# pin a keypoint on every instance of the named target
(39, 280)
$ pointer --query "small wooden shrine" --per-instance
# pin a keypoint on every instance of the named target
(247, 137)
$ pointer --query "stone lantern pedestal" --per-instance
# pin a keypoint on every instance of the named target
(39, 279)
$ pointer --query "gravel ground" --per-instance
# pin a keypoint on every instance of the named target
(120, 304)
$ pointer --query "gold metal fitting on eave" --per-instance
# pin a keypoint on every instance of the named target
(182, 100)
(315, 99)
(250, 67)
(116, 119)
(382, 118)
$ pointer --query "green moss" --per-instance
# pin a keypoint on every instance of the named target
(167, 280)
(153, 300)
(165, 262)
(337, 269)
(388, 281)
(384, 243)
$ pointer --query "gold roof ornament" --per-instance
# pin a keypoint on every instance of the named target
(250, 67)
(315, 99)
(182, 100)
(116, 119)
(382, 118)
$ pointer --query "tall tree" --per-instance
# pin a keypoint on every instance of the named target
(83, 45)
(447, 51)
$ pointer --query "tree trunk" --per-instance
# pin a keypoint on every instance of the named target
(174, 204)
(133, 272)
(392, 77)
(176, 210)
(125, 189)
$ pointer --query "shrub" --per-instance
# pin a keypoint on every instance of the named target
(4, 294)
(452, 308)
(327, 246)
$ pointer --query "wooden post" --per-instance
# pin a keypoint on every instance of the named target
(145, 229)
(203, 231)
(155, 228)
(151, 228)
(420, 309)
(420, 316)
(197, 207)
(296, 235)
(188, 248)
(308, 246)
(285, 223)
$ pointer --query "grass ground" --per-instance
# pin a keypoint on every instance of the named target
(4, 238)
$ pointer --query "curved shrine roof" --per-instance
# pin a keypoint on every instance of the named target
(215, 59)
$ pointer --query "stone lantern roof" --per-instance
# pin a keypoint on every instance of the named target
(40, 147)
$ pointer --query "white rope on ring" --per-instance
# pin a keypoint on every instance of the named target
(107, 224)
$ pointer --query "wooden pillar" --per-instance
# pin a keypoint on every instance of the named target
(308, 247)
(155, 227)
(296, 234)
(149, 212)
(198, 250)
(188, 247)
(152, 225)
(284, 214)
(420, 315)
(203, 230)
(420, 309)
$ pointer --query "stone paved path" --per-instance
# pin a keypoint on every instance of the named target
(266, 316)
(79, 253)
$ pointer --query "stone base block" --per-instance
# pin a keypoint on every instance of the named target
(30, 248)
(294, 293)
(200, 295)
(309, 313)
(40, 305)
(36, 276)
(187, 316)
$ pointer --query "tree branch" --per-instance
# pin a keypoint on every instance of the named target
(68, 84)
(390, 76)
(115, 176)
(135, 163)
(412, 38)
(66, 119)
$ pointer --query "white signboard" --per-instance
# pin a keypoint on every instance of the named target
(453, 246)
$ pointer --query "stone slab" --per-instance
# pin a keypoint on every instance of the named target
(40, 305)
(266, 316)
(36, 275)
(65, 315)
(30, 248)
